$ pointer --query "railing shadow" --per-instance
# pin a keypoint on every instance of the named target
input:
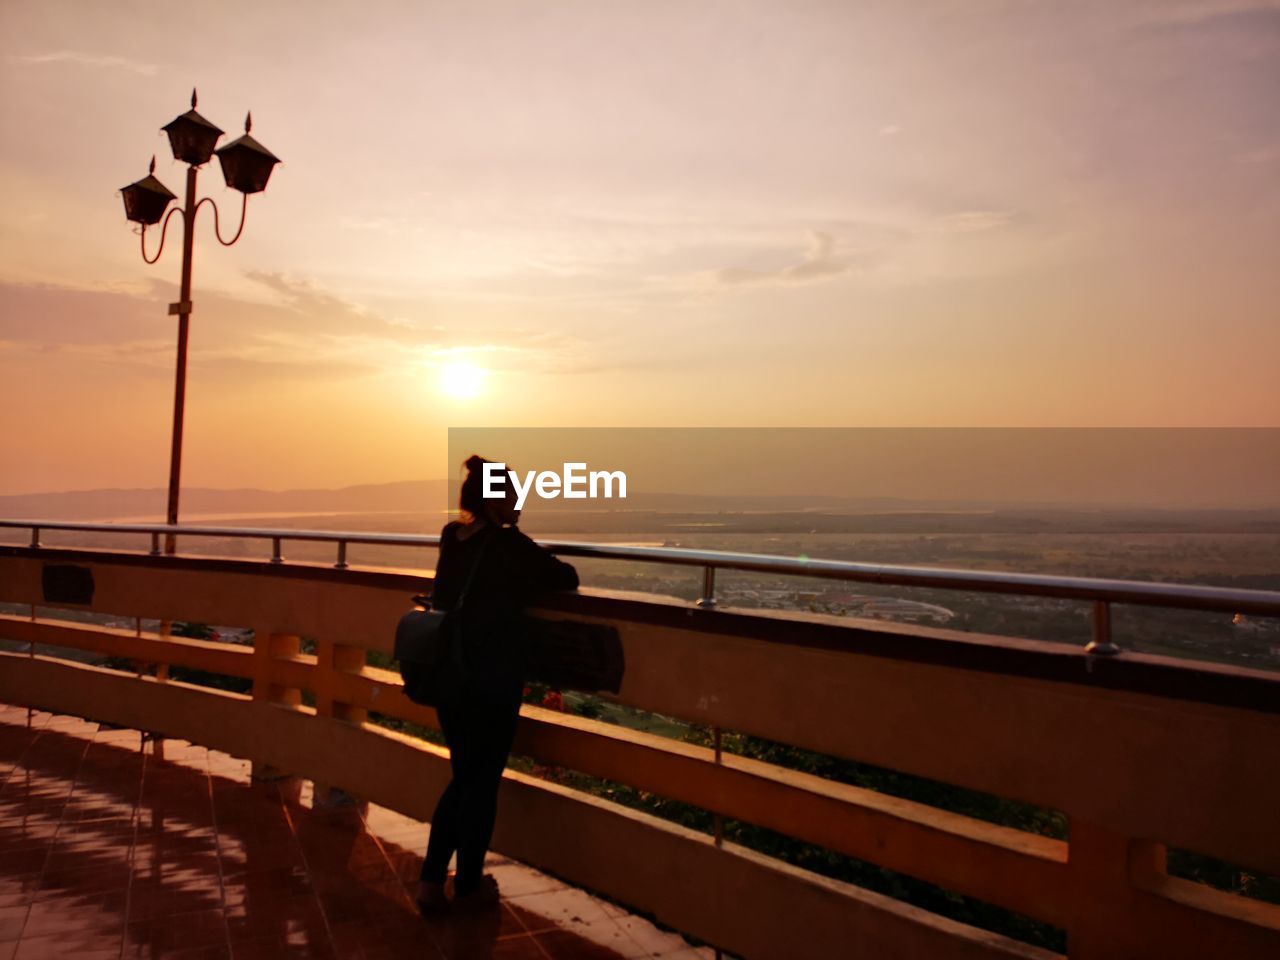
(142, 843)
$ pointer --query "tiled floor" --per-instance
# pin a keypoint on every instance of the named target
(113, 848)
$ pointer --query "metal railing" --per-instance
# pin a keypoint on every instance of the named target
(1102, 593)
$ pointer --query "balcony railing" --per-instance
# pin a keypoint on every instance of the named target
(1100, 592)
(1140, 753)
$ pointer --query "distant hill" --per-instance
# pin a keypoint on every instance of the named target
(404, 496)
(412, 496)
(654, 511)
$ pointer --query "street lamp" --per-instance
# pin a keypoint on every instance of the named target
(246, 166)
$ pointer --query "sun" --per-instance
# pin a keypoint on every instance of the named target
(462, 380)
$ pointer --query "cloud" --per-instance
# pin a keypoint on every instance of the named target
(142, 355)
(52, 314)
(99, 61)
(1265, 154)
(310, 333)
(338, 328)
(391, 226)
(1194, 12)
(299, 368)
(326, 312)
(820, 262)
(969, 221)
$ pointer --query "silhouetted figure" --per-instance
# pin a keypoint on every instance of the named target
(501, 571)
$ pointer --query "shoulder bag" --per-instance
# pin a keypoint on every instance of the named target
(423, 640)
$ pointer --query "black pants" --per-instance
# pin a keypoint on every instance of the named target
(479, 732)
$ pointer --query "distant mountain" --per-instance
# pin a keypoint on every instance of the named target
(412, 496)
(432, 496)
(404, 496)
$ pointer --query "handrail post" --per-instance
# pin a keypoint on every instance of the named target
(708, 598)
(342, 555)
(155, 544)
(276, 556)
(716, 820)
(267, 648)
(35, 538)
(1101, 643)
(334, 662)
(1109, 868)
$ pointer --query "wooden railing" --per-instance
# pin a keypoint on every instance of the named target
(1138, 752)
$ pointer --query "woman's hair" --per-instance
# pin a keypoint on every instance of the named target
(471, 497)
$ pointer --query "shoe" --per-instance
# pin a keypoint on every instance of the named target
(431, 900)
(484, 894)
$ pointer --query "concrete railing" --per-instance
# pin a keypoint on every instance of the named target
(1140, 753)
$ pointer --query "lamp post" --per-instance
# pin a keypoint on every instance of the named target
(246, 166)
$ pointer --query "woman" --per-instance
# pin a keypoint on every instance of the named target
(494, 570)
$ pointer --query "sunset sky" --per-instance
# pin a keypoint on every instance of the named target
(658, 213)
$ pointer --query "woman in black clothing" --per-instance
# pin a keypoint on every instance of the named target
(501, 570)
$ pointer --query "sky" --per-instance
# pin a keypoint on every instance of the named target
(605, 214)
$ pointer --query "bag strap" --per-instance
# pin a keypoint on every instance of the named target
(475, 566)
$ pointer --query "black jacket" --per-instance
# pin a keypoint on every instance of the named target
(489, 632)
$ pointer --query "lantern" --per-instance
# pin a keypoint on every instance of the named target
(246, 164)
(145, 200)
(191, 136)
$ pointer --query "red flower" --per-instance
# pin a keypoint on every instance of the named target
(553, 701)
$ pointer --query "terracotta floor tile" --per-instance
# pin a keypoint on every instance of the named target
(362, 904)
(405, 864)
(148, 899)
(408, 949)
(278, 948)
(114, 828)
(179, 931)
(59, 947)
(612, 909)
(494, 925)
(61, 916)
(282, 917)
(18, 891)
(18, 835)
(566, 907)
(22, 862)
(533, 921)
(519, 948)
(245, 858)
(161, 828)
(87, 856)
(175, 851)
(648, 935)
(12, 920)
(458, 943)
(515, 880)
(122, 737)
(278, 881)
(565, 945)
(147, 950)
(14, 808)
(94, 877)
(607, 933)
